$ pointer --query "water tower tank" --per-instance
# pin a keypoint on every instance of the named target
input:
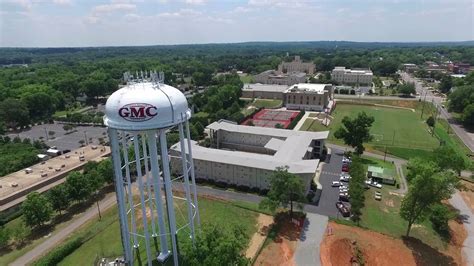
(138, 117)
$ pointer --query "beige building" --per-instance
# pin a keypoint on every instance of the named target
(247, 156)
(347, 76)
(309, 97)
(296, 66)
(263, 91)
(280, 78)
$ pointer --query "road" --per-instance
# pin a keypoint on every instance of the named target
(466, 137)
(307, 251)
(468, 222)
(62, 234)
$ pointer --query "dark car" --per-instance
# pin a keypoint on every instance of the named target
(345, 211)
(345, 168)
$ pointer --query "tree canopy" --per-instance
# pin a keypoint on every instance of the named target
(285, 189)
(36, 210)
(356, 131)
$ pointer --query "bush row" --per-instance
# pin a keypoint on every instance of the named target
(226, 185)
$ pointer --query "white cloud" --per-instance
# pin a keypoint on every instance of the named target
(181, 13)
(113, 7)
(62, 2)
(195, 2)
(132, 17)
(279, 3)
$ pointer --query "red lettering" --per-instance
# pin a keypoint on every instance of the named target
(137, 111)
(123, 112)
(149, 111)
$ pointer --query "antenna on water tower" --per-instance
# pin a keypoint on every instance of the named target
(138, 117)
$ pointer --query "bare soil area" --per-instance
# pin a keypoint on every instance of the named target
(263, 226)
(281, 249)
(468, 194)
(338, 245)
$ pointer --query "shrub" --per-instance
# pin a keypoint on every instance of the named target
(58, 254)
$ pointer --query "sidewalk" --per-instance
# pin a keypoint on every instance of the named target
(307, 251)
(468, 222)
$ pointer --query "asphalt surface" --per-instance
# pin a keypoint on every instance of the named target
(62, 140)
(468, 222)
(307, 251)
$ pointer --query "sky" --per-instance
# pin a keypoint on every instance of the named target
(73, 23)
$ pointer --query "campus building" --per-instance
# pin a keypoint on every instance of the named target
(296, 66)
(263, 91)
(247, 155)
(355, 76)
(280, 78)
(309, 97)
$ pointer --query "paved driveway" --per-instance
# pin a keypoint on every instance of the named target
(307, 251)
(329, 195)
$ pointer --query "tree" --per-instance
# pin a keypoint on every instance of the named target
(440, 216)
(36, 210)
(278, 125)
(448, 158)
(20, 233)
(14, 113)
(4, 237)
(285, 189)
(78, 187)
(406, 89)
(468, 115)
(106, 170)
(446, 83)
(430, 121)
(58, 198)
(460, 98)
(67, 127)
(356, 188)
(425, 190)
(356, 131)
(217, 245)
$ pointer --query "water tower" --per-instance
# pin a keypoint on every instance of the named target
(138, 117)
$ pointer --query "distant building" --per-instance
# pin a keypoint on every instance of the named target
(459, 68)
(247, 155)
(410, 68)
(263, 91)
(380, 175)
(309, 97)
(296, 66)
(280, 78)
(355, 76)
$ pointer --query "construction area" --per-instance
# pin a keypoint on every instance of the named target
(270, 118)
(46, 174)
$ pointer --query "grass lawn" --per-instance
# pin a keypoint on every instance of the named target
(383, 216)
(265, 103)
(246, 78)
(105, 240)
(402, 131)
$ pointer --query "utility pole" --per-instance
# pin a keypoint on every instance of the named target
(85, 137)
(385, 154)
(393, 140)
(423, 108)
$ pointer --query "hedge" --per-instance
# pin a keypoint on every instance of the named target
(296, 120)
(57, 255)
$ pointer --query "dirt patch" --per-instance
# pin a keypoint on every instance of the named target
(376, 248)
(281, 249)
(257, 240)
(468, 194)
(379, 249)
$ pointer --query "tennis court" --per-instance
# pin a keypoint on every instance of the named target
(270, 118)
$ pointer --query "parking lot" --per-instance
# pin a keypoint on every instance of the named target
(63, 141)
(330, 195)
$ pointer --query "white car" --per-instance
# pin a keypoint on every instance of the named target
(342, 187)
(343, 194)
(375, 184)
(336, 184)
(346, 160)
(344, 190)
(345, 178)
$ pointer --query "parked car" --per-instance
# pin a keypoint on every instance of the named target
(344, 190)
(336, 184)
(345, 211)
(378, 195)
(375, 184)
(345, 168)
(344, 198)
(342, 187)
(345, 177)
(346, 160)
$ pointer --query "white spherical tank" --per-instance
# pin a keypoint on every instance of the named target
(146, 105)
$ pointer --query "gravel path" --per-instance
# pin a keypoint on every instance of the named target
(307, 251)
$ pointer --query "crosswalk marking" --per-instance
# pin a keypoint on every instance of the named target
(330, 173)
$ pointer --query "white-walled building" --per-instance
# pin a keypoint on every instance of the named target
(347, 76)
(247, 156)
(280, 78)
(309, 97)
